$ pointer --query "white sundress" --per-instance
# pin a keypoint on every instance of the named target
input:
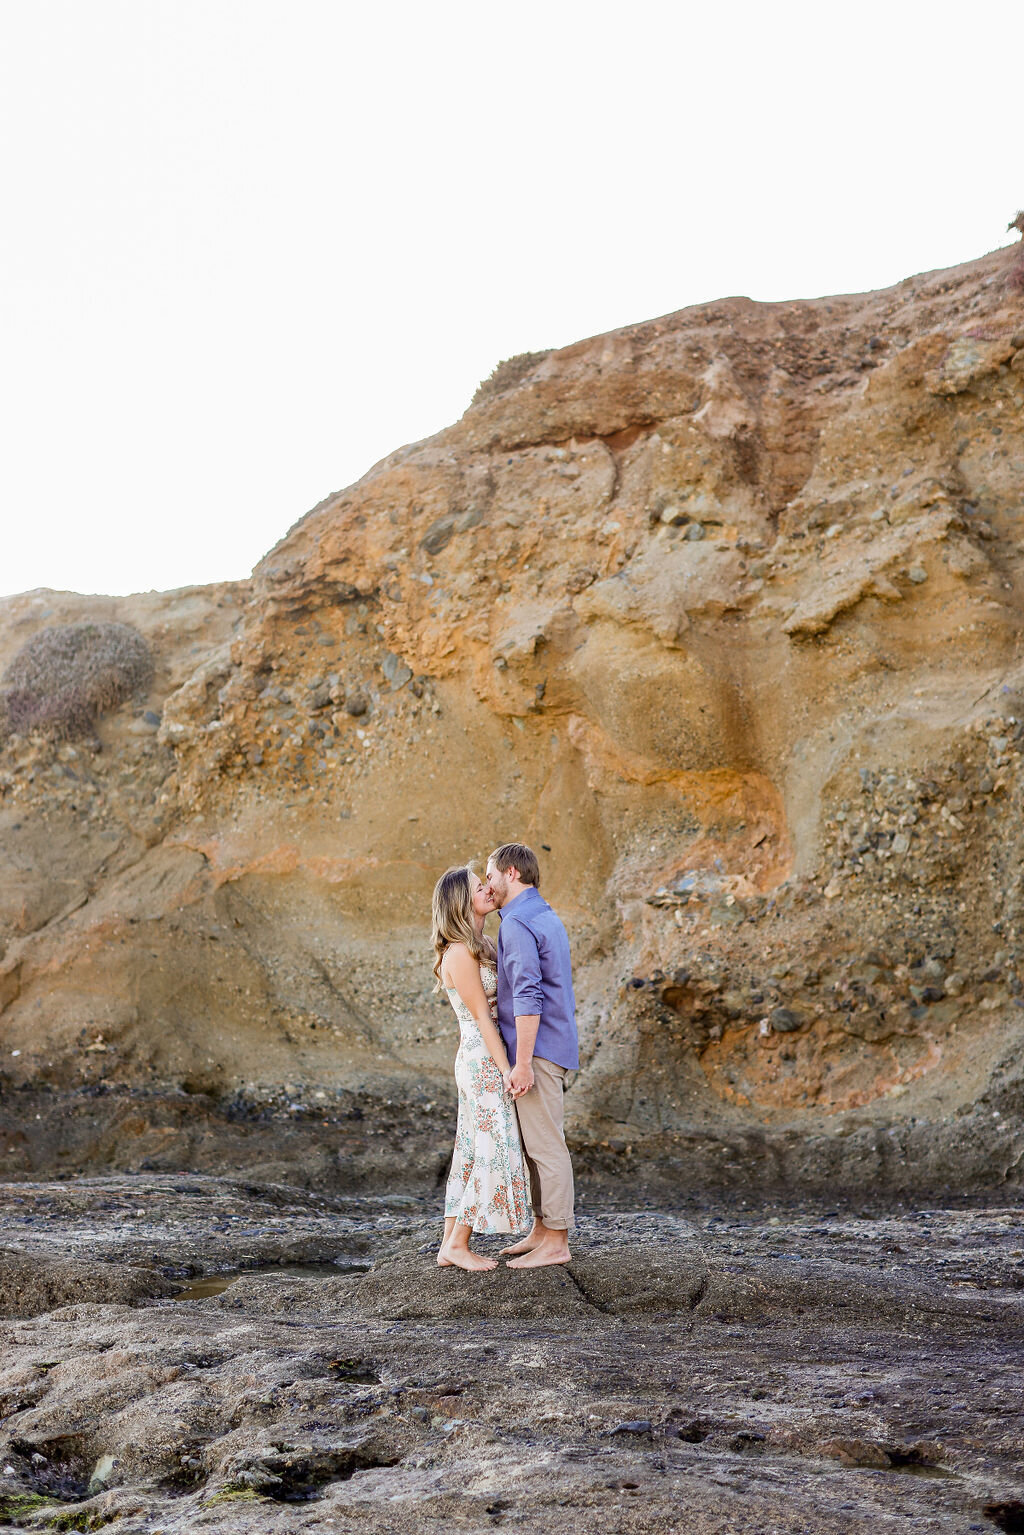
(487, 1187)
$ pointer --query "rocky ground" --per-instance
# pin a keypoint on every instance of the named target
(798, 1368)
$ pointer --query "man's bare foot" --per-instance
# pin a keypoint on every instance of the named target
(463, 1258)
(543, 1256)
(525, 1245)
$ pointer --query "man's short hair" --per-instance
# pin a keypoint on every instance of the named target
(516, 855)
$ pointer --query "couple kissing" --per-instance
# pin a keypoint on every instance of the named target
(511, 1170)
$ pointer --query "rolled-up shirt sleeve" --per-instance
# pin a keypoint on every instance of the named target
(522, 967)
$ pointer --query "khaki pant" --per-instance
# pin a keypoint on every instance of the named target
(547, 1157)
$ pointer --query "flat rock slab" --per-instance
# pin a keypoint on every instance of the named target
(412, 1287)
(669, 1281)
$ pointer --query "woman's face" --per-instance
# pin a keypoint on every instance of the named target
(483, 900)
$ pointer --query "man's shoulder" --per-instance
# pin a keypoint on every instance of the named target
(515, 919)
(534, 914)
(522, 911)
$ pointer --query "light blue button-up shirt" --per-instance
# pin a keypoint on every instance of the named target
(535, 976)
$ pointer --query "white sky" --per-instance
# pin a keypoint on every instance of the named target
(247, 247)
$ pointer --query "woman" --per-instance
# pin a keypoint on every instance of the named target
(487, 1188)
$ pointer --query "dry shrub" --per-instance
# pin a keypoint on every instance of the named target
(67, 674)
(507, 375)
(1015, 276)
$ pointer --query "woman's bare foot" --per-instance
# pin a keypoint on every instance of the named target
(464, 1258)
(443, 1261)
(545, 1254)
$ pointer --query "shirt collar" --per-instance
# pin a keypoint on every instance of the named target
(522, 896)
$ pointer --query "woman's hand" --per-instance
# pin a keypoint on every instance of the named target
(521, 1079)
(506, 1078)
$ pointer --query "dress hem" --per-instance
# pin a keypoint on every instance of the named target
(490, 1230)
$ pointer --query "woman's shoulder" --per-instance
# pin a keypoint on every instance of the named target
(456, 956)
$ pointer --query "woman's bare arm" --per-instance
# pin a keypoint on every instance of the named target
(463, 972)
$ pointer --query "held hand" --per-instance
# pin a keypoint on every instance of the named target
(506, 1078)
(521, 1079)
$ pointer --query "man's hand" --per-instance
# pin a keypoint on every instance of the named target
(521, 1079)
(527, 1025)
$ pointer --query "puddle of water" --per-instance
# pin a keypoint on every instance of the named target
(215, 1284)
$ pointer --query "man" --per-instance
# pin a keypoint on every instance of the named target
(537, 1019)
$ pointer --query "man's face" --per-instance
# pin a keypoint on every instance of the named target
(497, 883)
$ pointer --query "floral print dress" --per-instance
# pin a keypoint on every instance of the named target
(487, 1187)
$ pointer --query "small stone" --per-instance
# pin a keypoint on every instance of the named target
(438, 535)
(395, 670)
(900, 843)
(631, 1426)
(694, 533)
(784, 1021)
(102, 1474)
(917, 574)
(674, 517)
(357, 705)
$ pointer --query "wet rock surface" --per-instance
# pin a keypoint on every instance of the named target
(715, 1367)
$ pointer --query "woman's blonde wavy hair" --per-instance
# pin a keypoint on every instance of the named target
(452, 913)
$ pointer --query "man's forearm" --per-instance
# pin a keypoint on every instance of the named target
(527, 1025)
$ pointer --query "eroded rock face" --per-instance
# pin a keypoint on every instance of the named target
(722, 614)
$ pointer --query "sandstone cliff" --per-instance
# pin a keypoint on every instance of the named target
(722, 612)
